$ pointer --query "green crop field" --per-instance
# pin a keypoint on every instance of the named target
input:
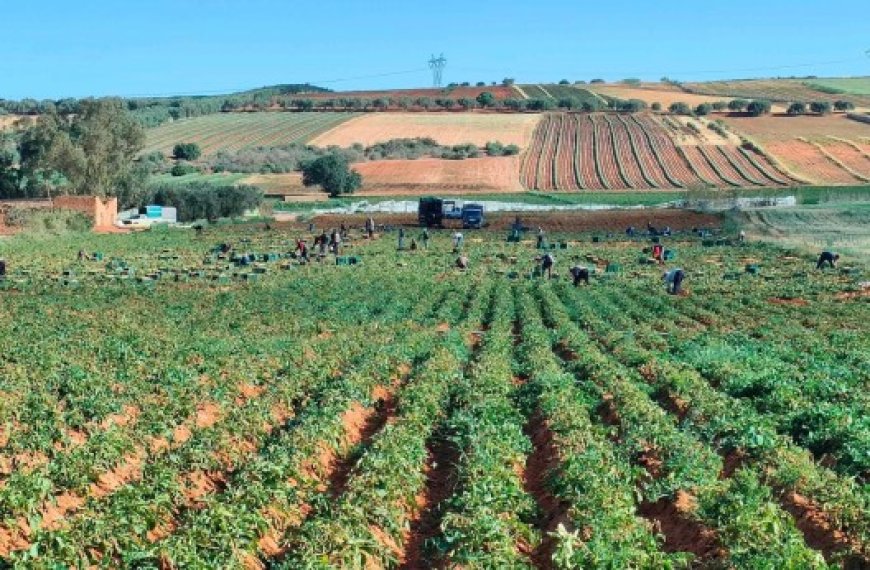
(849, 85)
(234, 131)
(169, 406)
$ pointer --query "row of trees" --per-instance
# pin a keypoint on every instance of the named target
(819, 107)
(754, 108)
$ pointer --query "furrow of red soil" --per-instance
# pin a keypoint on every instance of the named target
(540, 464)
(671, 517)
(57, 510)
(440, 470)
(333, 468)
(820, 532)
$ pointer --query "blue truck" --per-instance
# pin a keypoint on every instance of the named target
(472, 216)
(433, 211)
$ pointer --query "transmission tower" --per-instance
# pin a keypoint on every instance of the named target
(437, 65)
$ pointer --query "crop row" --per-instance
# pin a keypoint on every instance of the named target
(741, 433)
(592, 151)
(681, 469)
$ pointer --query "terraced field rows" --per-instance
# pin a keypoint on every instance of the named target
(571, 152)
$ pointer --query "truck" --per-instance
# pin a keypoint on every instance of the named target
(472, 216)
(433, 211)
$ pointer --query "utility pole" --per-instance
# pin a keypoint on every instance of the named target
(437, 66)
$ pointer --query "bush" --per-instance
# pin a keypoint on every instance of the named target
(758, 108)
(201, 200)
(656, 106)
(183, 168)
(494, 148)
(333, 174)
(631, 81)
(820, 107)
(703, 109)
(186, 151)
(720, 105)
(797, 109)
(597, 81)
(738, 105)
(843, 105)
(511, 150)
(680, 108)
(486, 99)
(564, 82)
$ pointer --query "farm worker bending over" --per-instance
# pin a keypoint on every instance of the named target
(424, 237)
(370, 227)
(580, 273)
(673, 280)
(547, 265)
(457, 241)
(462, 262)
(302, 249)
(829, 258)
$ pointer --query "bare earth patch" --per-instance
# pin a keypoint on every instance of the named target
(446, 128)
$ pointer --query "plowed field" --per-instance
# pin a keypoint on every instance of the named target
(611, 151)
(446, 128)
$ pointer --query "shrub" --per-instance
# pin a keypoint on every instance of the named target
(186, 151)
(564, 82)
(656, 106)
(820, 107)
(201, 200)
(843, 105)
(486, 99)
(758, 108)
(797, 109)
(720, 105)
(738, 105)
(183, 168)
(703, 109)
(680, 108)
(333, 174)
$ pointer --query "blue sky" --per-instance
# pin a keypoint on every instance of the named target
(53, 49)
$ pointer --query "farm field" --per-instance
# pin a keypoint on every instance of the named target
(650, 96)
(851, 85)
(445, 128)
(423, 175)
(642, 151)
(781, 90)
(824, 150)
(403, 414)
(234, 131)
(781, 127)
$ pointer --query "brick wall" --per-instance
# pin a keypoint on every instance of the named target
(103, 211)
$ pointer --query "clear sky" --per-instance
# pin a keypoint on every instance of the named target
(53, 48)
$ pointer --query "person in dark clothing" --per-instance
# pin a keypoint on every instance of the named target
(580, 273)
(370, 227)
(827, 257)
(302, 249)
(425, 238)
(547, 265)
(2, 269)
(199, 229)
(673, 280)
(629, 231)
(413, 244)
(225, 248)
(401, 238)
